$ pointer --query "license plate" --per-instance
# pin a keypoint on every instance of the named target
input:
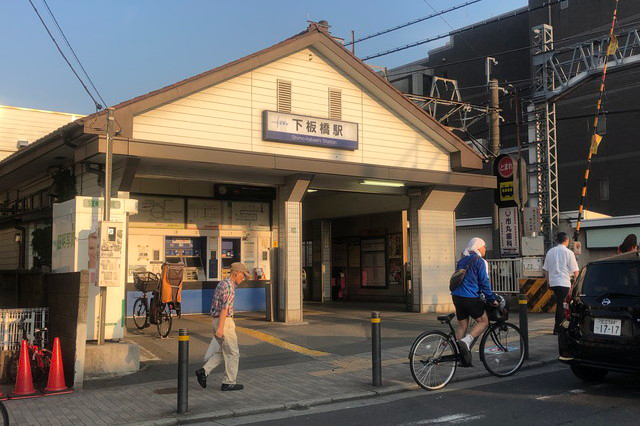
(610, 327)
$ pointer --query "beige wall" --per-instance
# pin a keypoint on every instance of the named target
(27, 124)
(229, 115)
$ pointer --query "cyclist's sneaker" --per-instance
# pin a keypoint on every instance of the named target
(465, 354)
(202, 377)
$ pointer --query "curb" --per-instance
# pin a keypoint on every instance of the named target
(176, 419)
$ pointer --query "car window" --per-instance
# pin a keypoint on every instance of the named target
(602, 278)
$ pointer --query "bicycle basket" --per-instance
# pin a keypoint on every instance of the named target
(146, 281)
(498, 313)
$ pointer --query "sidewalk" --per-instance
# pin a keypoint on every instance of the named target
(320, 380)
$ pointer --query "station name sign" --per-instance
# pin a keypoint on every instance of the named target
(305, 130)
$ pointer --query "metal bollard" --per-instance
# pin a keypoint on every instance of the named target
(376, 355)
(183, 367)
(524, 322)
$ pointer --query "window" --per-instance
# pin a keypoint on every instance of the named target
(335, 104)
(307, 253)
(372, 263)
(604, 188)
(284, 96)
(564, 4)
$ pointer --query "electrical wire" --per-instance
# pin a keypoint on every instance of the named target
(415, 21)
(104, 103)
(514, 50)
(97, 105)
(452, 29)
(471, 27)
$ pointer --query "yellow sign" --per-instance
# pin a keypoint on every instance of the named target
(506, 191)
(595, 142)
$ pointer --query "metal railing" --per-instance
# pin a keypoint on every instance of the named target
(10, 330)
(505, 275)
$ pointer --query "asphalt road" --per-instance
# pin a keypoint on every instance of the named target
(549, 396)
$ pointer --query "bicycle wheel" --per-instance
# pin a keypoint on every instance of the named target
(140, 313)
(164, 320)
(502, 349)
(4, 414)
(433, 359)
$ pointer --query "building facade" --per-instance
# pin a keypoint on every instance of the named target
(296, 155)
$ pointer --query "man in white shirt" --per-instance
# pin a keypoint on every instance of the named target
(560, 267)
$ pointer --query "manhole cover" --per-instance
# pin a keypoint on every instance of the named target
(166, 391)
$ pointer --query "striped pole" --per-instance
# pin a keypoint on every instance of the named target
(524, 322)
(583, 195)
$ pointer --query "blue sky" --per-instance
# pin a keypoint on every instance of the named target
(131, 47)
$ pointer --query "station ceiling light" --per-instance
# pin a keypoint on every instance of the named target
(382, 183)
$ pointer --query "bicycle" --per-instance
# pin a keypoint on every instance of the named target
(434, 355)
(4, 414)
(146, 312)
(39, 356)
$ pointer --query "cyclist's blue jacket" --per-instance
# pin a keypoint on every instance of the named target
(475, 281)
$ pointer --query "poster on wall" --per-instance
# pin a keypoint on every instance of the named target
(394, 254)
(203, 213)
(159, 212)
(254, 215)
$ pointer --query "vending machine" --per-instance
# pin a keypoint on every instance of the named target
(82, 241)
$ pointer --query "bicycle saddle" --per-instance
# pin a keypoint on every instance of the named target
(446, 318)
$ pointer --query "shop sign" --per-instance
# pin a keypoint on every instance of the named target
(305, 130)
(531, 217)
(509, 232)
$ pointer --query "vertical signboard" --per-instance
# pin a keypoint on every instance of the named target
(509, 232)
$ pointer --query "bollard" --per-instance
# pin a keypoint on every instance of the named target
(524, 322)
(376, 355)
(183, 367)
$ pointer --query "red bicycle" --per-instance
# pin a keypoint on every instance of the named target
(40, 358)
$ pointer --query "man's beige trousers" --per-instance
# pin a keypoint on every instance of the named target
(228, 352)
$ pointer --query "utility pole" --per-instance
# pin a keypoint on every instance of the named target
(495, 150)
(106, 216)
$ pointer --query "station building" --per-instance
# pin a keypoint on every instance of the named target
(296, 158)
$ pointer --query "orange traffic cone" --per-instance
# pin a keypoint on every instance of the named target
(56, 383)
(24, 382)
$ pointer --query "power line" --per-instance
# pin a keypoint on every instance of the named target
(481, 24)
(97, 105)
(415, 21)
(74, 53)
(506, 52)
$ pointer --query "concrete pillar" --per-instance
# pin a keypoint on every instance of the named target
(290, 248)
(433, 247)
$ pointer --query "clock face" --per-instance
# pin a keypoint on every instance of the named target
(222, 190)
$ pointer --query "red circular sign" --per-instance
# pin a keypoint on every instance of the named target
(505, 167)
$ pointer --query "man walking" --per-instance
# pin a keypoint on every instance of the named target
(560, 267)
(224, 330)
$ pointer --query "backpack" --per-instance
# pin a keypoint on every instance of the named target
(458, 276)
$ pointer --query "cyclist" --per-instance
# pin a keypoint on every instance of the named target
(466, 297)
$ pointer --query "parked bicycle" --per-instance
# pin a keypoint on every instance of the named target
(434, 355)
(148, 311)
(4, 414)
(40, 357)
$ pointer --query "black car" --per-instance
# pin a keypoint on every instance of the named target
(602, 327)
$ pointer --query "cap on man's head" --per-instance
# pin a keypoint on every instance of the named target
(239, 267)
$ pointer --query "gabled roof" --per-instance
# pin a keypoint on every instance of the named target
(316, 36)
(463, 158)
